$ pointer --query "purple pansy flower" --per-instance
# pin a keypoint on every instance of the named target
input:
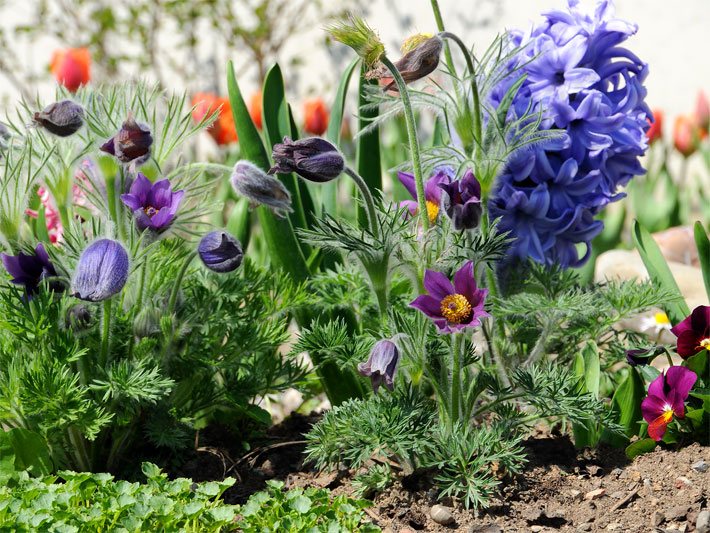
(29, 270)
(452, 307)
(432, 192)
(154, 205)
(666, 399)
(381, 366)
(693, 333)
(462, 201)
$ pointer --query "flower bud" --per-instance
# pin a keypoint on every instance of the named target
(643, 356)
(220, 251)
(61, 118)
(419, 61)
(147, 322)
(72, 67)
(355, 33)
(78, 318)
(102, 271)
(381, 366)
(462, 201)
(132, 142)
(314, 159)
(259, 188)
(686, 135)
(655, 129)
(315, 116)
(702, 111)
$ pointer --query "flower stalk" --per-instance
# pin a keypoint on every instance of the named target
(105, 331)
(368, 199)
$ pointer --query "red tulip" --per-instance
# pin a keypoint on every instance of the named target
(316, 116)
(702, 111)
(71, 67)
(687, 135)
(655, 131)
(222, 130)
(255, 108)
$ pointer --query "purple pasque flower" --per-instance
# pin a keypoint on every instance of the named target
(432, 191)
(132, 142)
(452, 307)
(693, 333)
(29, 270)
(154, 205)
(313, 158)
(666, 399)
(220, 251)
(462, 201)
(381, 366)
(102, 271)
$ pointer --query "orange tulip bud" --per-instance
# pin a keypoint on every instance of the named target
(222, 130)
(71, 67)
(687, 135)
(655, 131)
(316, 116)
(255, 108)
(702, 111)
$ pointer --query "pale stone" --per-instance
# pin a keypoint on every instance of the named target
(678, 245)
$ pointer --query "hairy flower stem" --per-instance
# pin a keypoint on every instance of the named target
(369, 201)
(541, 343)
(178, 281)
(139, 301)
(458, 345)
(477, 121)
(440, 25)
(105, 332)
(490, 405)
(413, 140)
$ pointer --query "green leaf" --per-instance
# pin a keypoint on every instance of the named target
(626, 403)
(238, 221)
(703, 244)
(587, 369)
(31, 451)
(7, 458)
(41, 225)
(698, 363)
(659, 272)
(640, 447)
(302, 504)
(592, 370)
(367, 151)
(280, 238)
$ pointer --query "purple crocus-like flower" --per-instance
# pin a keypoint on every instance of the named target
(102, 271)
(29, 270)
(154, 205)
(132, 142)
(666, 399)
(452, 307)
(693, 333)
(432, 191)
(462, 201)
(381, 366)
(220, 251)
(314, 159)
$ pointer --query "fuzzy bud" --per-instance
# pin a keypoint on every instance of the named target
(354, 32)
(381, 366)
(78, 318)
(220, 251)
(61, 118)
(147, 322)
(132, 142)
(102, 271)
(259, 188)
(314, 159)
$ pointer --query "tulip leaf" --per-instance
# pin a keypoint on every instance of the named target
(659, 272)
(367, 150)
(703, 244)
(281, 240)
(626, 404)
(41, 225)
(587, 370)
(640, 447)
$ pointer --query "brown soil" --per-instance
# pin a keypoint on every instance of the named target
(561, 489)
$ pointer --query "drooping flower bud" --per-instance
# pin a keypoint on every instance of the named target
(102, 271)
(71, 67)
(462, 201)
(61, 118)
(314, 159)
(259, 188)
(354, 32)
(381, 366)
(643, 356)
(132, 142)
(30, 270)
(220, 251)
(78, 318)
(655, 129)
(315, 116)
(421, 58)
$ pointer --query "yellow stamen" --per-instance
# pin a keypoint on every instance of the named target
(150, 210)
(661, 318)
(455, 308)
(705, 343)
(432, 211)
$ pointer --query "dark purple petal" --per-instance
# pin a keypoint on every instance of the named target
(407, 180)
(464, 282)
(437, 284)
(428, 305)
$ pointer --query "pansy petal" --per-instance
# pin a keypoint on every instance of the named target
(680, 380)
(657, 428)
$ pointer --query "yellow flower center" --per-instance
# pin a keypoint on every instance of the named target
(456, 308)
(432, 211)
(150, 210)
(662, 319)
(705, 343)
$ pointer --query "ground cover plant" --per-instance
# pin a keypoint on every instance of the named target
(151, 295)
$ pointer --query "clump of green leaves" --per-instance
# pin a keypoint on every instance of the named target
(299, 510)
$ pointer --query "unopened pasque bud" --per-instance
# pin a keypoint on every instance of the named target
(61, 118)
(220, 251)
(102, 271)
(314, 159)
(78, 318)
(381, 366)
(420, 59)
(259, 188)
(132, 142)
(462, 201)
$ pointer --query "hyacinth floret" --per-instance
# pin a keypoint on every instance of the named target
(586, 83)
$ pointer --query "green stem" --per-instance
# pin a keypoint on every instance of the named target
(105, 332)
(413, 140)
(440, 25)
(541, 343)
(369, 201)
(81, 455)
(178, 281)
(458, 343)
(669, 358)
(139, 301)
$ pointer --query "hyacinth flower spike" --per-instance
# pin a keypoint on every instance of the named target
(666, 399)
(455, 306)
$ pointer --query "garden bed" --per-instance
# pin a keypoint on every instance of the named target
(562, 488)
